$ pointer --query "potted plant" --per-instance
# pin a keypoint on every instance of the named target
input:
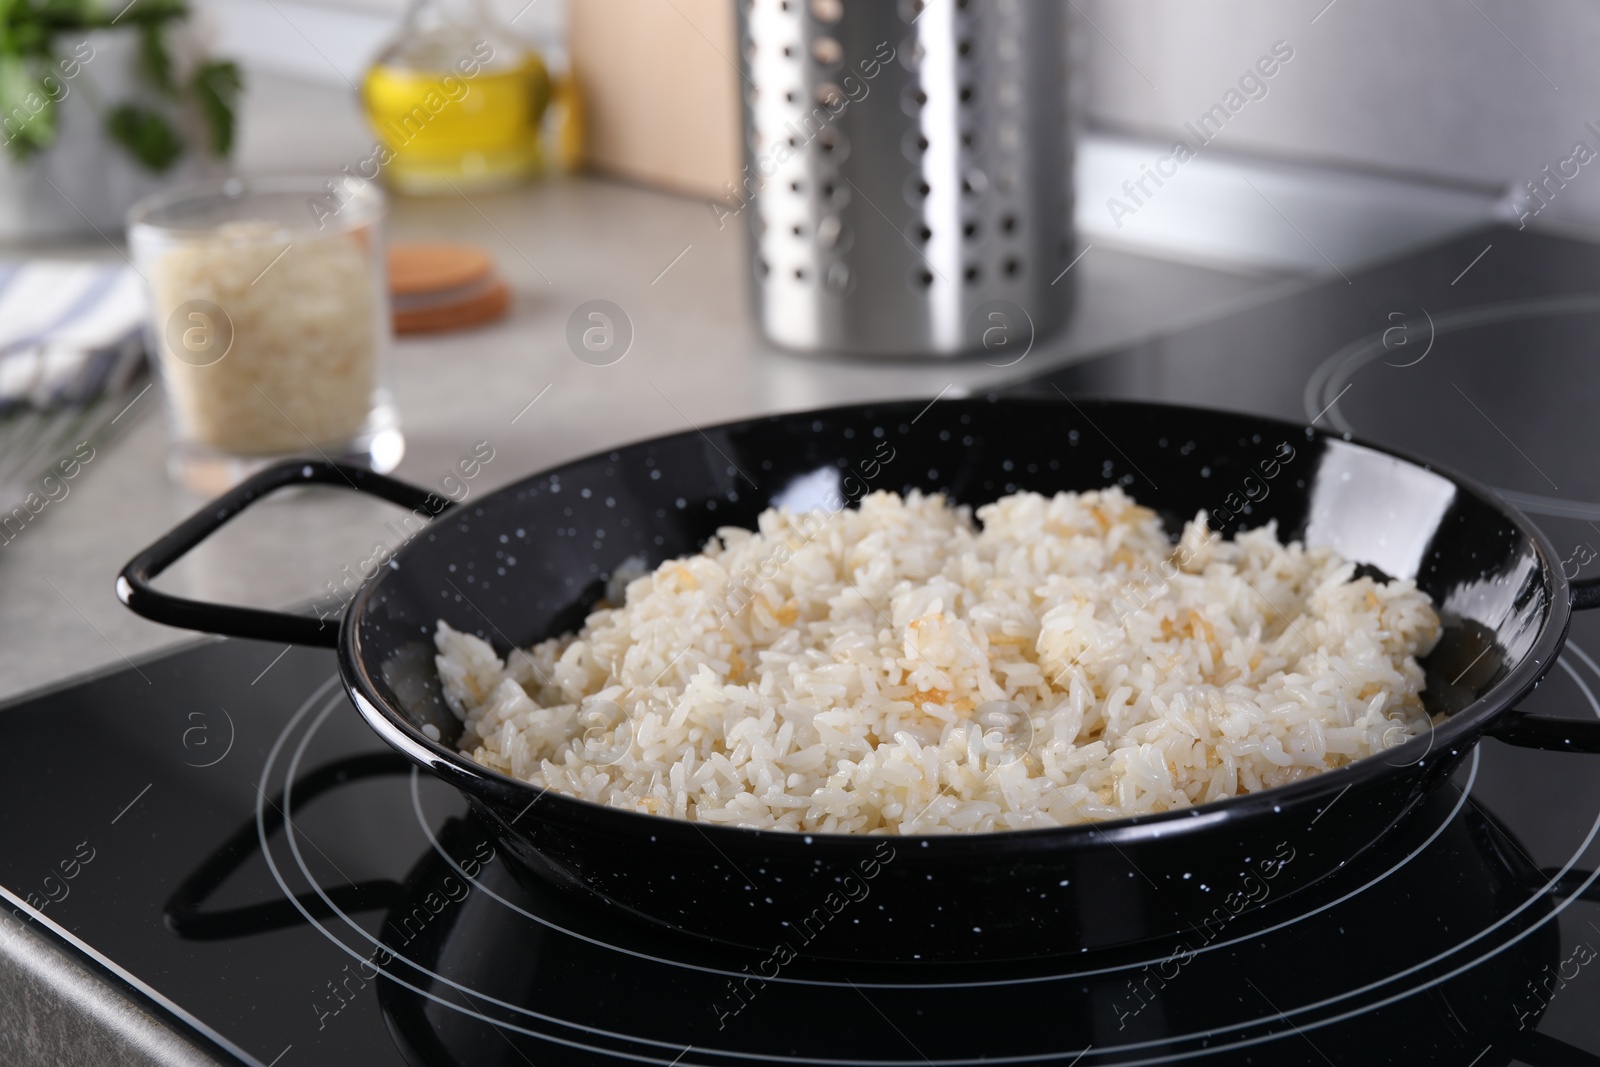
(100, 104)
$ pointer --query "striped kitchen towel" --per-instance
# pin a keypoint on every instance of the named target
(72, 360)
(70, 332)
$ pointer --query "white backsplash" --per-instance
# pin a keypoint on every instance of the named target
(1481, 93)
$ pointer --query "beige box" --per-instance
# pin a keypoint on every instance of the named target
(658, 84)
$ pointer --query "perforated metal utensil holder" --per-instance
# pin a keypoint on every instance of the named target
(908, 180)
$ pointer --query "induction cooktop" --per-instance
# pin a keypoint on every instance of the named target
(215, 830)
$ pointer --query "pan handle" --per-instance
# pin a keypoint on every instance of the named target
(1549, 734)
(133, 584)
(1585, 594)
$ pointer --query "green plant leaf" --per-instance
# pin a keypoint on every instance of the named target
(30, 23)
(88, 14)
(155, 61)
(27, 114)
(146, 135)
(28, 38)
(7, 34)
(216, 86)
(30, 32)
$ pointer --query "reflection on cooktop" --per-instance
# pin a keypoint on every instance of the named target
(1508, 384)
(1486, 370)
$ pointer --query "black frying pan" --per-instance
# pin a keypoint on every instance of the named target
(1493, 575)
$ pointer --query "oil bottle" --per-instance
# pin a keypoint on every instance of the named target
(457, 100)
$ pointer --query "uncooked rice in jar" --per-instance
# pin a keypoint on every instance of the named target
(304, 315)
(862, 687)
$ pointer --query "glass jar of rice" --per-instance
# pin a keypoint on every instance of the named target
(269, 322)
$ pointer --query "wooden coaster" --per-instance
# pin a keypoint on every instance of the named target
(419, 268)
(485, 304)
(438, 287)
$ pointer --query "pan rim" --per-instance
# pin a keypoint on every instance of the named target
(1458, 733)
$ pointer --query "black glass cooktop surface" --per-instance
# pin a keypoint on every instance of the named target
(218, 830)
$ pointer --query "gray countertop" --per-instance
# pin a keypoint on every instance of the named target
(697, 358)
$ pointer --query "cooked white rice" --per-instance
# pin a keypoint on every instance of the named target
(839, 673)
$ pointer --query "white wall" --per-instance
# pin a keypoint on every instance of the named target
(1483, 92)
(331, 42)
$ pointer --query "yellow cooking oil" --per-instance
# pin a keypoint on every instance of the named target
(462, 122)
